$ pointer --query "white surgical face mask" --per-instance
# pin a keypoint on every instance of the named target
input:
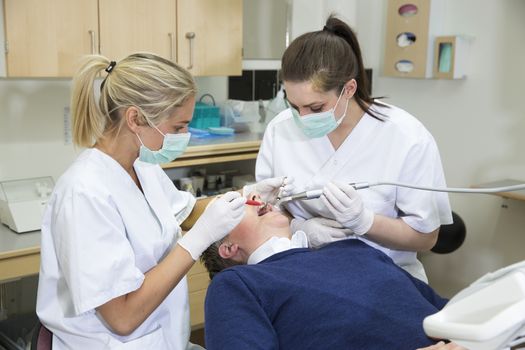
(319, 124)
(172, 147)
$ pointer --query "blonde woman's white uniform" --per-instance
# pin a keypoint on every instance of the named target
(399, 148)
(110, 234)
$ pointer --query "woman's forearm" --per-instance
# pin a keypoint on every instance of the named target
(396, 234)
(126, 313)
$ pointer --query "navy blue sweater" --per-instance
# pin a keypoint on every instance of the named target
(346, 295)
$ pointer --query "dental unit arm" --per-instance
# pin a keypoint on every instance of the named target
(361, 185)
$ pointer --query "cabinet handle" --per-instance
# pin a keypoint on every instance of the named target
(190, 36)
(170, 35)
(92, 35)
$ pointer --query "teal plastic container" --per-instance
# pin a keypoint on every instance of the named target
(205, 116)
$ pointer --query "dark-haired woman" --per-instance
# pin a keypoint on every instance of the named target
(335, 134)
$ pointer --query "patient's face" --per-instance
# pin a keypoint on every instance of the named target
(259, 221)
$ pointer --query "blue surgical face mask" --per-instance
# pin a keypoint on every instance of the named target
(172, 147)
(319, 124)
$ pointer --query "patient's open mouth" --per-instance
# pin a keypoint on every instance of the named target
(266, 208)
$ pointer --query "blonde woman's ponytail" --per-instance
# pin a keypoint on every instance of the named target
(89, 121)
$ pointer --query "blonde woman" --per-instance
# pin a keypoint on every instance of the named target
(113, 261)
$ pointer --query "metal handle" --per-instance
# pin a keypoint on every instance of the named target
(190, 36)
(92, 35)
(170, 35)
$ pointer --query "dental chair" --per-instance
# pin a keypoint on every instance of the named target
(487, 315)
(451, 236)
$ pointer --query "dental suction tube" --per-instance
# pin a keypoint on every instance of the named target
(450, 189)
(361, 185)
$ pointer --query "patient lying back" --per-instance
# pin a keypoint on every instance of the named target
(345, 295)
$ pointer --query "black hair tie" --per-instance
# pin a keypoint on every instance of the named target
(326, 29)
(109, 68)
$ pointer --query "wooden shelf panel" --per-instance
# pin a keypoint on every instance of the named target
(19, 266)
(221, 148)
(179, 163)
(243, 146)
(19, 252)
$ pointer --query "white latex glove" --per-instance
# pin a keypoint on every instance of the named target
(442, 346)
(270, 189)
(320, 231)
(218, 219)
(346, 206)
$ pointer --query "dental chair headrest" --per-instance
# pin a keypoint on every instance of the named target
(450, 237)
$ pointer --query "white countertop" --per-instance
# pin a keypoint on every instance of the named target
(12, 241)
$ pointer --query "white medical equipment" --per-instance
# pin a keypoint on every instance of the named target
(22, 202)
(361, 185)
(488, 315)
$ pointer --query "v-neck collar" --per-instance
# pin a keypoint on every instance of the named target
(117, 165)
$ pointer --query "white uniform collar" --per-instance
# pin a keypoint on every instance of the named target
(276, 245)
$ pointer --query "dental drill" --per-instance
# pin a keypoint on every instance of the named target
(362, 185)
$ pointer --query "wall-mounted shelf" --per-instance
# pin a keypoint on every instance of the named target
(450, 55)
(214, 150)
(518, 195)
(409, 31)
(414, 47)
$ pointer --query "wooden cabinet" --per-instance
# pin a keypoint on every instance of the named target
(209, 36)
(46, 38)
(128, 26)
(198, 281)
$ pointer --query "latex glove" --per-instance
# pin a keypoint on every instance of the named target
(346, 206)
(320, 231)
(218, 219)
(270, 189)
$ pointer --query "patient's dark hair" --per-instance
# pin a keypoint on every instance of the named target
(213, 262)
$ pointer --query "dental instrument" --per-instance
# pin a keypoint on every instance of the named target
(361, 185)
(281, 189)
(254, 203)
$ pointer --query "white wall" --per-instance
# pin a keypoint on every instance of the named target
(31, 128)
(2, 35)
(478, 123)
(310, 15)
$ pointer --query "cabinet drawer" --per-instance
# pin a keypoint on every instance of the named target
(197, 308)
(198, 282)
(198, 267)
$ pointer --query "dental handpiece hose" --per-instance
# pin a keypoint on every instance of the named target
(361, 185)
